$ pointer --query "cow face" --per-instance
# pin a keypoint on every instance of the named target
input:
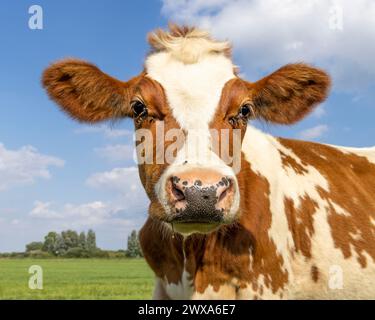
(188, 106)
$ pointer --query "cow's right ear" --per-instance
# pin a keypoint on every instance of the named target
(85, 92)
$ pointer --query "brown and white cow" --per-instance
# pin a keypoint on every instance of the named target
(298, 219)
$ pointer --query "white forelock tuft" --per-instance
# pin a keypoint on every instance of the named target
(188, 45)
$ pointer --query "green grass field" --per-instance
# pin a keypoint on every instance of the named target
(77, 279)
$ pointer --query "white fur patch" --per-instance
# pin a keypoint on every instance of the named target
(159, 290)
(267, 294)
(182, 290)
(368, 153)
(225, 292)
(339, 210)
(191, 47)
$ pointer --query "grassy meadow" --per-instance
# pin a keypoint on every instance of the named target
(77, 279)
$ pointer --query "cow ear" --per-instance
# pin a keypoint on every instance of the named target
(289, 94)
(86, 93)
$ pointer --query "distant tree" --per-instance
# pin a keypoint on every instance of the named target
(35, 245)
(82, 240)
(49, 242)
(37, 254)
(70, 238)
(60, 247)
(134, 248)
(91, 241)
(76, 253)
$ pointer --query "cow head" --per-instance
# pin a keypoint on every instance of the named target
(187, 96)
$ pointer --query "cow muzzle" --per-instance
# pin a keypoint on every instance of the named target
(200, 200)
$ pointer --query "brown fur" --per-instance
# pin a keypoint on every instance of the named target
(86, 93)
(288, 161)
(152, 93)
(302, 228)
(315, 273)
(162, 252)
(290, 93)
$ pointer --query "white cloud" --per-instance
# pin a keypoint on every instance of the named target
(319, 112)
(269, 33)
(43, 210)
(89, 214)
(24, 166)
(120, 179)
(117, 153)
(314, 132)
(125, 182)
(107, 131)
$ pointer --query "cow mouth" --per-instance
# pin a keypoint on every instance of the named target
(194, 222)
(197, 218)
(190, 227)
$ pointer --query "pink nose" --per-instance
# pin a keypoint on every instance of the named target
(200, 196)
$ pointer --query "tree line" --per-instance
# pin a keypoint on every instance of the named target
(67, 243)
(71, 244)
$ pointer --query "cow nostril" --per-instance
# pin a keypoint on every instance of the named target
(226, 190)
(179, 195)
(223, 194)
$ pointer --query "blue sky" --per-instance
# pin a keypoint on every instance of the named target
(57, 174)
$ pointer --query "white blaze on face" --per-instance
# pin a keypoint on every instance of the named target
(193, 93)
(193, 90)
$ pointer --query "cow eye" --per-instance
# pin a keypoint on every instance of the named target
(246, 111)
(139, 109)
(243, 115)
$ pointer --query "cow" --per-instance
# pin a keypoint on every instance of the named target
(295, 221)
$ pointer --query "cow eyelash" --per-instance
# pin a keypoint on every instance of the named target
(139, 110)
(246, 111)
(244, 114)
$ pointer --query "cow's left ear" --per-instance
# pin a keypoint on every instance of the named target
(289, 94)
